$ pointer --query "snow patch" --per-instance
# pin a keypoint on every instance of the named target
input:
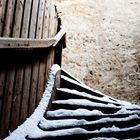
(62, 132)
(78, 112)
(84, 102)
(84, 94)
(82, 85)
(125, 111)
(47, 124)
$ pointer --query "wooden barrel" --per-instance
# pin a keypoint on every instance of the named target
(24, 72)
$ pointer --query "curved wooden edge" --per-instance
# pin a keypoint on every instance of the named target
(59, 35)
(28, 43)
(25, 43)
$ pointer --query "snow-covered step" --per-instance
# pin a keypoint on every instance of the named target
(65, 93)
(83, 134)
(67, 74)
(80, 113)
(130, 121)
(87, 114)
(86, 104)
(69, 83)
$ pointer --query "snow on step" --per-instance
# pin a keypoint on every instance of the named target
(126, 111)
(101, 138)
(77, 112)
(84, 102)
(117, 129)
(78, 131)
(81, 85)
(85, 112)
(56, 133)
(66, 73)
(109, 98)
(49, 124)
(89, 96)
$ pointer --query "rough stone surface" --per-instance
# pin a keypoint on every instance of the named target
(103, 45)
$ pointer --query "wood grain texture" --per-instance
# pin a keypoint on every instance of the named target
(26, 19)
(2, 80)
(19, 69)
(35, 65)
(41, 64)
(2, 13)
(8, 21)
(23, 43)
(18, 18)
(7, 102)
(27, 66)
(28, 31)
(33, 19)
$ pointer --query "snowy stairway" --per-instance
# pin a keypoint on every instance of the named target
(80, 113)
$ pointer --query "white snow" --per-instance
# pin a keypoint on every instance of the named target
(82, 85)
(129, 105)
(108, 98)
(85, 112)
(103, 120)
(30, 128)
(84, 102)
(77, 112)
(84, 94)
(101, 138)
(46, 124)
(78, 130)
(62, 132)
(64, 70)
(30, 125)
(125, 111)
(117, 129)
(70, 80)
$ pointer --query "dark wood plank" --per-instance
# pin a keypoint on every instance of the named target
(52, 29)
(39, 34)
(7, 102)
(39, 30)
(16, 101)
(35, 65)
(25, 94)
(51, 32)
(33, 19)
(27, 67)
(2, 13)
(46, 23)
(26, 19)
(9, 18)
(41, 78)
(34, 82)
(46, 19)
(2, 80)
(59, 36)
(18, 18)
